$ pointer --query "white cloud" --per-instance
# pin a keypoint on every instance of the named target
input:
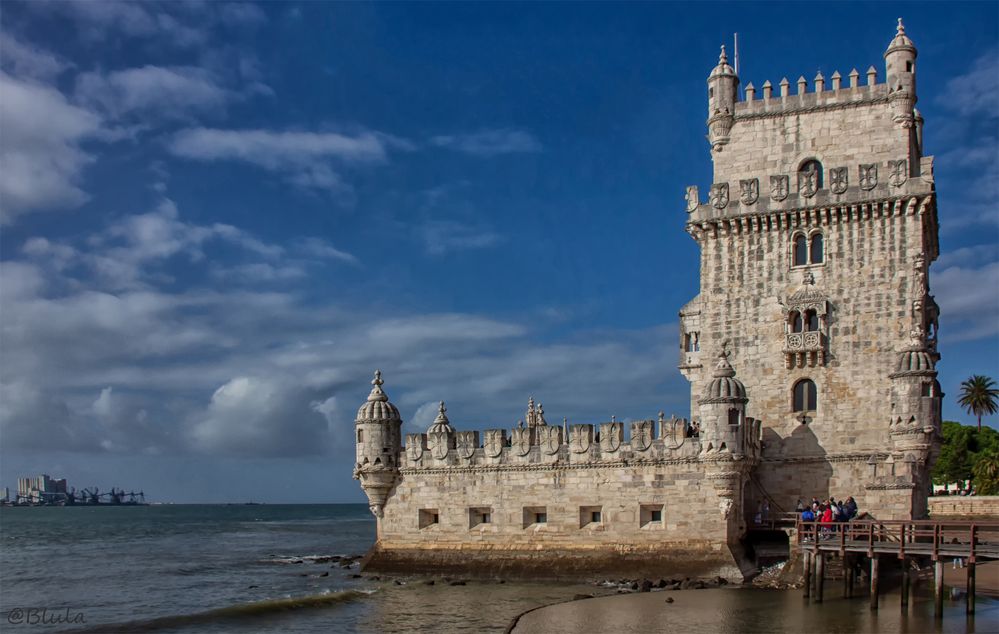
(25, 60)
(319, 248)
(169, 92)
(975, 93)
(242, 14)
(444, 236)
(486, 143)
(41, 158)
(969, 302)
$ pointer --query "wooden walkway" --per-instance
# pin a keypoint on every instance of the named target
(970, 542)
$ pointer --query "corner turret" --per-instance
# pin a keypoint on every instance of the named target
(900, 73)
(378, 429)
(723, 87)
(723, 411)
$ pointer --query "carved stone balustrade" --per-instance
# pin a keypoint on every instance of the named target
(805, 349)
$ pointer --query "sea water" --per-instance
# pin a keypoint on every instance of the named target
(266, 568)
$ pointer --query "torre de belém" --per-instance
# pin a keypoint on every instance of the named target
(810, 351)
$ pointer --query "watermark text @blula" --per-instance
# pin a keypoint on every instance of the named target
(45, 616)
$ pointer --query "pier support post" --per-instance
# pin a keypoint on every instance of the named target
(874, 582)
(906, 582)
(851, 573)
(808, 574)
(969, 596)
(845, 561)
(938, 574)
(820, 575)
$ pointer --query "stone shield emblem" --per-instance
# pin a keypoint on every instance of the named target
(495, 441)
(467, 442)
(692, 198)
(838, 179)
(611, 436)
(641, 435)
(520, 440)
(551, 440)
(868, 176)
(779, 187)
(414, 446)
(582, 436)
(719, 195)
(898, 172)
(808, 183)
(438, 442)
(749, 191)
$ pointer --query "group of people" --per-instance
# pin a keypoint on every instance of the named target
(828, 511)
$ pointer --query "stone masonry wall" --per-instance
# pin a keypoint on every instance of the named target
(958, 506)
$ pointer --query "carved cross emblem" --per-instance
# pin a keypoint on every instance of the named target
(692, 198)
(466, 443)
(581, 435)
(749, 191)
(414, 446)
(495, 440)
(641, 435)
(552, 441)
(610, 437)
(838, 179)
(520, 440)
(868, 176)
(779, 187)
(719, 195)
(898, 172)
(438, 444)
(808, 181)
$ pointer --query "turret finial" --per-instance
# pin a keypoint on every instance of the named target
(377, 394)
(378, 378)
(901, 27)
(722, 58)
(442, 409)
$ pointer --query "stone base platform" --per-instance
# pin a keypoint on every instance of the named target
(578, 564)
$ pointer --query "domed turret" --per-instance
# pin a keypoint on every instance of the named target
(900, 72)
(441, 424)
(378, 427)
(723, 87)
(724, 386)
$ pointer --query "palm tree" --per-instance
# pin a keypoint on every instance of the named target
(979, 396)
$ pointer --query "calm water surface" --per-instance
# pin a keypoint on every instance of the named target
(230, 569)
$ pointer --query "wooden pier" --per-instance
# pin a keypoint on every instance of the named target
(905, 540)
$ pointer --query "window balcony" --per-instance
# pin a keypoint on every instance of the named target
(805, 349)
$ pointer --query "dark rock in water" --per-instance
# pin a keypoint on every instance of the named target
(324, 574)
(457, 583)
(303, 574)
(622, 592)
(252, 587)
(661, 583)
(429, 582)
(397, 582)
(686, 583)
(345, 563)
(634, 585)
(646, 585)
(721, 581)
(710, 583)
(297, 561)
(698, 585)
(579, 597)
(669, 599)
(501, 581)
(355, 576)
(375, 578)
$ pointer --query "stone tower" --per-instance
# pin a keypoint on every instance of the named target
(815, 242)
(379, 443)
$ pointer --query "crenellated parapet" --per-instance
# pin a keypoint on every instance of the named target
(580, 444)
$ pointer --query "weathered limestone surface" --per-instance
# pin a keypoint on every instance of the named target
(961, 506)
(815, 241)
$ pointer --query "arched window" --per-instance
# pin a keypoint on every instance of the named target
(733, 417)
(811, 169)
(800, 250)
(797, 325)
(360, 435)
(805, 397)
(811, 321)
(815, 253)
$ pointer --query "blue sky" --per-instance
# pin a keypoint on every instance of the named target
(219, 218)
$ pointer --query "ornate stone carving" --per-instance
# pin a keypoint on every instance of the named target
(611, 435)
(495, 441)
(868, 176)
(414, 446)
(725, 506)
(582, 436)
(551, 440)
(808, 183)
(839, 179)
(692, 197)
(719, 195)
(642, 433)
(749, 191)
(438, 442)
(520, 440)
(779, 187)
(898, 172)
(467, 442)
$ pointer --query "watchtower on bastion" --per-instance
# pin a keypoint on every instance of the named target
(810, 350)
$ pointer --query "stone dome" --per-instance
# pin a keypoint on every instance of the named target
(901, 41)
(915, 360)
(724, 385)
(723, 67)
(441, 423)
(377, 407)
